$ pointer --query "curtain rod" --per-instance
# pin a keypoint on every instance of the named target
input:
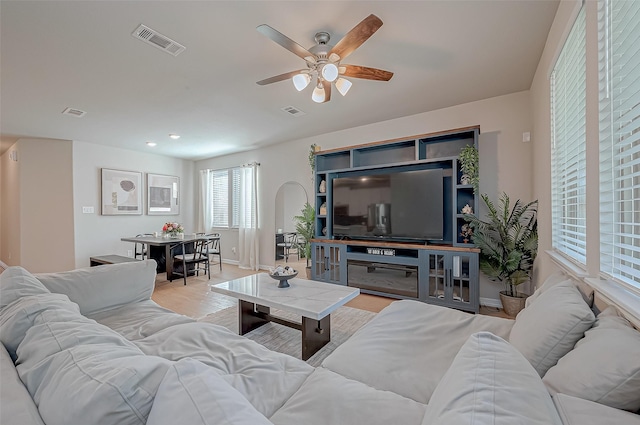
(231, 168)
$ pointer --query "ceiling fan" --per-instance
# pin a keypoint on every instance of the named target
(324, 60)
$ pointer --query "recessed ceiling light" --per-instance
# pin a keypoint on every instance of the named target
(152, 144)
(174, 136)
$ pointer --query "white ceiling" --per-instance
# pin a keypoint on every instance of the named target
(81, 54)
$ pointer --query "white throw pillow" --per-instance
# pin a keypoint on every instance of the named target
(550, 327)
(604, 366)
(490, 383)
(101, 288)
(576, 411)
(550, 281)
(585, 290)
(193, 393)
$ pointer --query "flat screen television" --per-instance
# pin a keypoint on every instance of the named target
(401, 205)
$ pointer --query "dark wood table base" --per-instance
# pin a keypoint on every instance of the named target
(315, 333)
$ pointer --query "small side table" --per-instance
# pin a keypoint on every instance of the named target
(109, 259)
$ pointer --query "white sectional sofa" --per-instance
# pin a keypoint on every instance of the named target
(89, 346)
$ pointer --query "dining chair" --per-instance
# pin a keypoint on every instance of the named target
(213, 247)
(289, 245)
(198, 260)
(139, 248)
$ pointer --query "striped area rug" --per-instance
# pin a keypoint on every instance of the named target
(344, 322)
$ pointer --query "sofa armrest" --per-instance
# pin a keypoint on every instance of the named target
(16, 405)
(102, 288)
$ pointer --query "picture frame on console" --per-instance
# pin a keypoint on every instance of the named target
(121, 192)
(163, 194)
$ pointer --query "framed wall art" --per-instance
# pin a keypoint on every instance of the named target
(163, 194)
(121, 192)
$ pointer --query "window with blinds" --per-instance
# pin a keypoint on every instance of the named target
(619, 102)
(225, 186)
(235, 197)
(568, 151)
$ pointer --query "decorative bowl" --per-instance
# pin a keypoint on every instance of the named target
(283, 279)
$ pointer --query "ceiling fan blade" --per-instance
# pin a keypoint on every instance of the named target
(367, 73)
(327, 90)
(284, 41)
(358, 35)
(280, 77)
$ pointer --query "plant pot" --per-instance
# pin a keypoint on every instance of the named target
(512, 305)
(308, 270)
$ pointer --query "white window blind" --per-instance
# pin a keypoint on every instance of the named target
(619, 102)
(568, 152)
(225, 185)
(220, 198)
(235, 197)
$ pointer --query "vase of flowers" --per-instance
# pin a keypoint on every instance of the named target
(466, 232)
(172, 230)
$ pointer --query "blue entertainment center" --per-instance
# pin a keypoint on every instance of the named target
(389, 219)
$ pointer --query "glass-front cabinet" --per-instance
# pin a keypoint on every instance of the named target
(329, 263)
(452, 279)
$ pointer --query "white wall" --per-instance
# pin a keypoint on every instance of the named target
(10, 218)
(505, 161)
(37, 192)
(97, 234)
(1, 192)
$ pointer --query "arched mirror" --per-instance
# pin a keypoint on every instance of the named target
(290, 200)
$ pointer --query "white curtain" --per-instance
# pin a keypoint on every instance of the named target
(248, 243)
(205, 217)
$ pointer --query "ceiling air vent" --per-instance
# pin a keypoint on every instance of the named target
(293, 111)
(158, 40)
(74, 112)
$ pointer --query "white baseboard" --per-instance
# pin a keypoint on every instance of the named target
(236, 262)
(490, 302)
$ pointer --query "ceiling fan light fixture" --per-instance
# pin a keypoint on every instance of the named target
(318, 94)
(343, 85)
(301, 81)
(330, 72)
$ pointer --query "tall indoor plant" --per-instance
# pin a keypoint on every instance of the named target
(305, 227)
(508, 242)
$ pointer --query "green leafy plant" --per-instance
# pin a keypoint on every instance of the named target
(508, 241)
(305, 227)
(312, 161)
(469, 160)
(312, 157)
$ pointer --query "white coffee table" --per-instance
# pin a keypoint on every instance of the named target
(314, 301)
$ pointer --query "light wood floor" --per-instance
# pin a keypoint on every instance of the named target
(196, 299)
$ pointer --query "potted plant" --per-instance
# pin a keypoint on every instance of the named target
(469, 160)
(305, 227)
(508, 242)
(312, 160)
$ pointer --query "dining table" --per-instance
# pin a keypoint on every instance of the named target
(166, 244)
